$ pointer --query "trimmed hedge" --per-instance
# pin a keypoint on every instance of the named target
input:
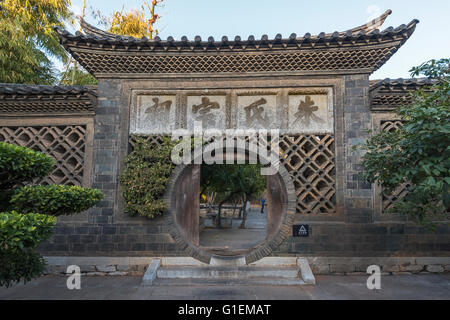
(54, 200)
(20, 234)
(145, 178)
(20, 164)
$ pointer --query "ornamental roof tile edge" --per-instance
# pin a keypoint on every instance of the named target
(401, 84)
(388, 94)
(31, 99)
(338, 39)
(364, 48)
(29, 89)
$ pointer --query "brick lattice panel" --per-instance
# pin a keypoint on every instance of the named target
(66, 144)
(302, 60)
(154, 140)
(391, 125)
(389, 201)
(310, 161)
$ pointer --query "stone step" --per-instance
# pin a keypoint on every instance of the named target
(262, 281)
(227, 272)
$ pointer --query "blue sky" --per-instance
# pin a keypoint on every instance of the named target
(257, 17)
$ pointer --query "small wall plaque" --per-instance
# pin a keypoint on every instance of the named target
(301, 230)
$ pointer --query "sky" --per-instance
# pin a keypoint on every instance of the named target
(217, 18)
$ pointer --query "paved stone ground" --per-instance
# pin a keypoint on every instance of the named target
(236, 238)
(404, 287)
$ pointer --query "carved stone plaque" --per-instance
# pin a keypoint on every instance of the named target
(310, 113)
(292, 111)
(155, 114)
(209, 110)
(256, 111)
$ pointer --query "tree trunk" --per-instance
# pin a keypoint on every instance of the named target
(235, 207)
(244, 218)
(218, 218)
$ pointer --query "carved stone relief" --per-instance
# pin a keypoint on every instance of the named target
(256, 112)
(209, 110)
(310, 113)
(154, 113)
(293, 111)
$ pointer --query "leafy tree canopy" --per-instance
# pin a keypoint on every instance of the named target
(27, 39)
(133, 22)
(75, 75)
(232, 182)
(417, 154)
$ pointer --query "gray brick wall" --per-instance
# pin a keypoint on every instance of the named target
(358, 194)
(110, 233)
(371, 239)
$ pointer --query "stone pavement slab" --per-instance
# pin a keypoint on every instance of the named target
(403, 287)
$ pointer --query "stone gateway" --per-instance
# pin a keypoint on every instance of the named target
(314, 89)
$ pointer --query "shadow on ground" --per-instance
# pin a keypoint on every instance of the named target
(236, 238)
(404, 287)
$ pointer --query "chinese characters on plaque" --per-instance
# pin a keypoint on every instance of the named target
(299, 113)
(310, 114)
(256, 112)
(209, 110)
(155, 114)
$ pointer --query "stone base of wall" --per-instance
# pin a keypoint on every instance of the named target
(122, 266)
(388, 265)
(99, 266)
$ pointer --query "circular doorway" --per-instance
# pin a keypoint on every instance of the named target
(182, 198)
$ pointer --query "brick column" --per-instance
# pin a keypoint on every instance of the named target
(358, 194)
(106, 150)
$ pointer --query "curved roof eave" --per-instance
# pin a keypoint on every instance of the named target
(364, 48)
(365, 32)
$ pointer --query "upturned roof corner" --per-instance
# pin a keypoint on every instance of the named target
(364, 48)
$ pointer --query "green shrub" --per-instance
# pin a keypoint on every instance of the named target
(145, 178)
(54, 200)
(19, 236)
(19, 164)
(19, 231)
(25, 265)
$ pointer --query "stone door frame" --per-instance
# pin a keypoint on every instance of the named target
(277, 234)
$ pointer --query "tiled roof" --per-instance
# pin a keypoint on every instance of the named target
(364, 47)
(388, 94)
(19, 98)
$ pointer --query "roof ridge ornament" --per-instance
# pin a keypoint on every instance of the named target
(367, 28)
(363, 48)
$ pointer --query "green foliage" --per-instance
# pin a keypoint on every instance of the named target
(20, 60)
(27, 39)
(19, 236)
(145, 178)
(21, 231)
(77, 76)
(20, 164)
(419, 152)
(231, 181)
(54, 200)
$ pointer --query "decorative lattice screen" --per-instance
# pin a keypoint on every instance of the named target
(213, 63)
(309, 159)
(66, 144)
(391, 125)
(401, 191)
